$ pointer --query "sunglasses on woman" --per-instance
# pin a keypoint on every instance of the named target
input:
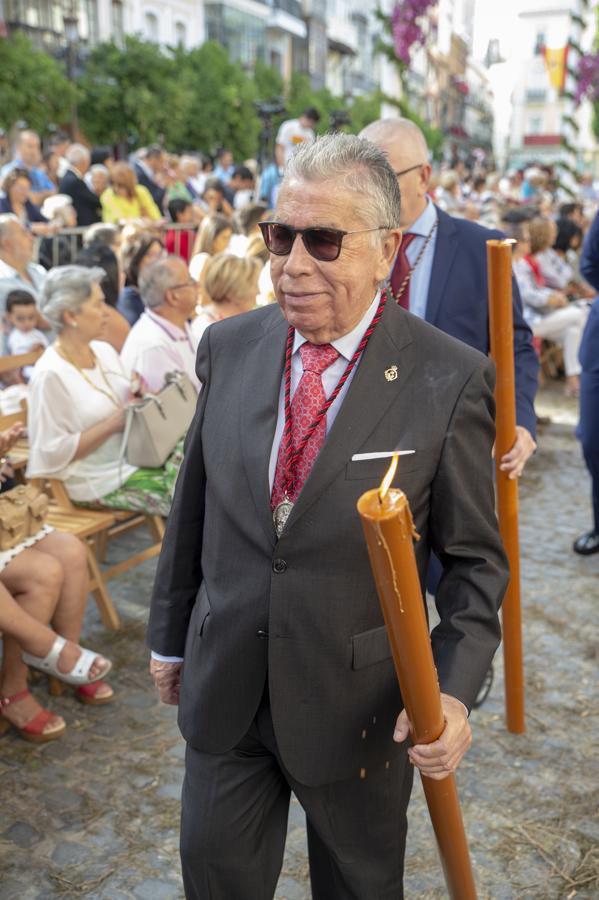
(323, 244)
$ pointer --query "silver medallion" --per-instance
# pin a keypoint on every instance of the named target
(280, 515)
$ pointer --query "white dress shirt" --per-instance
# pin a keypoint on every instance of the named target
(10, 280)
(421, 277)
(346, 346)
(154, 347)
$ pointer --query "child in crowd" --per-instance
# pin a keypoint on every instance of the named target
(22, 315)
(177, 242)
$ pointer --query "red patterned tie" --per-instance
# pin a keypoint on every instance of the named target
(308, 398)
(401, 269)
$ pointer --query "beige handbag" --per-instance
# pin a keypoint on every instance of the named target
(157, 423)
(23, 511)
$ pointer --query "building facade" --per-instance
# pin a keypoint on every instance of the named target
(51, 24)
(541, 123)
(272, 32)
(444, 85)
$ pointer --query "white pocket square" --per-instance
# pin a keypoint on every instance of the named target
(382, 454)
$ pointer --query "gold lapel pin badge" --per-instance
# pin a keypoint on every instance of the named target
(391, 373)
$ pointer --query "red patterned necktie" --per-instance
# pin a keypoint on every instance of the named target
(400, 270)
(308, 399)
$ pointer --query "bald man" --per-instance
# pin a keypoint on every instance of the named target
(448, 285)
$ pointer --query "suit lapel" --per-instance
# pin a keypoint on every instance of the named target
(261, 384)
(369, 397)
(445, 249)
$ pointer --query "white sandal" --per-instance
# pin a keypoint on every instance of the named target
(79, 674)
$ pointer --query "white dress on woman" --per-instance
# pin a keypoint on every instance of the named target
(64, 402)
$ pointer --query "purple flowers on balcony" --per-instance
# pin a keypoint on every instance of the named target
(408, 33)
(587, 86)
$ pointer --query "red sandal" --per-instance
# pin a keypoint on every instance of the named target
(87, 693)
(34, 730)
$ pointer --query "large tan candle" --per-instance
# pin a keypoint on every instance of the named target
(389, 530)
(499, 261)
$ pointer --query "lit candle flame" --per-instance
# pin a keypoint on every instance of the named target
(388, 479)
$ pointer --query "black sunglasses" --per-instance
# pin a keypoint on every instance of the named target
(323, 244)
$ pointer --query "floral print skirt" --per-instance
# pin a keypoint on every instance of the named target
(147, 490)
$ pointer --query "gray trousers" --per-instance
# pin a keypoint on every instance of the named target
(235, 807)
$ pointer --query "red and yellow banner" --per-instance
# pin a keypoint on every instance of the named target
(556, 59)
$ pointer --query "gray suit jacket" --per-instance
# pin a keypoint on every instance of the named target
(240, 605)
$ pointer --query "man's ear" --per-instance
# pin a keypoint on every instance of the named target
(391, 244)
(389, 247)
(425, 178)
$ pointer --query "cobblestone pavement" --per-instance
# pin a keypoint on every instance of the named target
(95, 814)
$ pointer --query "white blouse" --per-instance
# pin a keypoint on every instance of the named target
(62, 404)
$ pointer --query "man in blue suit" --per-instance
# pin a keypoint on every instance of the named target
(447, 258)
(588, 426)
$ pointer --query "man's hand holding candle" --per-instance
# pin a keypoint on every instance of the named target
(442, 757)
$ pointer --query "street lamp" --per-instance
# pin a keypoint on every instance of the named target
(71, 32)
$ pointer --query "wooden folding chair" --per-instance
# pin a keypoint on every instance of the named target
(122, 521)
(94, 527)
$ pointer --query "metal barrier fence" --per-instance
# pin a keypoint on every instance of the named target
(62, 248)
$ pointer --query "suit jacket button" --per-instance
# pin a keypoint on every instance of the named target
(279, 566)
(262, 634)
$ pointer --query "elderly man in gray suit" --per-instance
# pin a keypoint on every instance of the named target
(265, 624)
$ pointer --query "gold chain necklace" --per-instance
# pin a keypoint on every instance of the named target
(109, 393)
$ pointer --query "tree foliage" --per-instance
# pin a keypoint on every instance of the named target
(129, 93)
(33, 87)
(218, 102)
(140, 93)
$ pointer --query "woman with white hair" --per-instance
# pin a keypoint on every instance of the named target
(79, 392)
(97, 179)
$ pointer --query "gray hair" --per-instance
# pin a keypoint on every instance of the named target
(362, 167)
(77, 154)
(189, 160)
(156, 280)
(7, 220)
(99, 167)
(101, 233)
(66, 289)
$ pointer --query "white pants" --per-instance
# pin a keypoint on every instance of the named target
(565, 327)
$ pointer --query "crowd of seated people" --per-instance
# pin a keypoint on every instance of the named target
(111, 316)
(549, 311)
